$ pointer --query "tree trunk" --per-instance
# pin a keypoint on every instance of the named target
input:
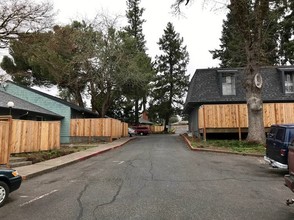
(256, 132)
(79, 99)
(144, 103)
(136, 111)
(250, 20)
(166, 124)
(253, 84)
(106, 102)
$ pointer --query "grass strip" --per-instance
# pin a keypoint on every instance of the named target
(230, 145)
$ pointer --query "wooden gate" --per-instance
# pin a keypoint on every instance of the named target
(5, 131)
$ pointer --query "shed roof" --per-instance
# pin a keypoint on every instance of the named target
(56, 99)
(144, 121)
(24, 105)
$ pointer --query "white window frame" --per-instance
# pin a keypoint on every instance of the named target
(228, 83)
(289, 82)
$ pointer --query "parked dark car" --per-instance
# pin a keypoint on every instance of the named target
(10, 181)
(277, 142)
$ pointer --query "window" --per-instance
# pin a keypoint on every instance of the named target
(272, 132)
(289, 82)
(291, 136)
(280, 134)
(228, 84)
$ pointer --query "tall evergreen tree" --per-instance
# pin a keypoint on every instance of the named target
(135, 29)
(232, 50)
(171, 81)
(286, 52)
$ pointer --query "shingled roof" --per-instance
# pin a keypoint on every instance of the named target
(24, 105)
(205, 87)
(71, 105)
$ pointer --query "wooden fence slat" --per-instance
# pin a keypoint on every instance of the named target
(30, 136)
(4, 142)
(98, 127)
(230, 116)
(156, 129)
(27, 136)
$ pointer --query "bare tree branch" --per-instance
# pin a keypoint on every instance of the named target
(177, 4)
(22, 16)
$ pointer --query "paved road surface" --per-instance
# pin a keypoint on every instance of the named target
(154, 177)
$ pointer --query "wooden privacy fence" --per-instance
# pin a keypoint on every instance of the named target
(98, 127)
(5, 125)
(236, 115)
(18, 136)
(30, 136)
(156, 129)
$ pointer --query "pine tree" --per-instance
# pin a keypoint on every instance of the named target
(286, 51)
(171, 82)
(134, 29)
(232, 50)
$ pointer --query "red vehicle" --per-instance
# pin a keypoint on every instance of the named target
(141, 130)
(289, 178)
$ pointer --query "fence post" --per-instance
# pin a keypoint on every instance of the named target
(204, 124)
(9, 140)
(111, 131)
(239, 122)
(6, 157)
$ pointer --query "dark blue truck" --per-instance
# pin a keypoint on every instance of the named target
(277, 142)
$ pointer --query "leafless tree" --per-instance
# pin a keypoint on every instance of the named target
(20, 16)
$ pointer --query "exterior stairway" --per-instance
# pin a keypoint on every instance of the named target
(18, 162)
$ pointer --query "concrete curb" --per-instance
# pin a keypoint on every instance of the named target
(28, 172)
(216, 151)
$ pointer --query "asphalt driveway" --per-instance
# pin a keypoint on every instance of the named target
(155, 177)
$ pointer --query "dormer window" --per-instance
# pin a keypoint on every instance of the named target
(228, 84)
(289, 82)
(287, 77)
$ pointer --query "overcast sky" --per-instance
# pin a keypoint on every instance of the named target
(201, 27)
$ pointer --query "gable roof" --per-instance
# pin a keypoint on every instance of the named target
(56, 99)
(144, 121)
(24, 105)
(205, 86)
